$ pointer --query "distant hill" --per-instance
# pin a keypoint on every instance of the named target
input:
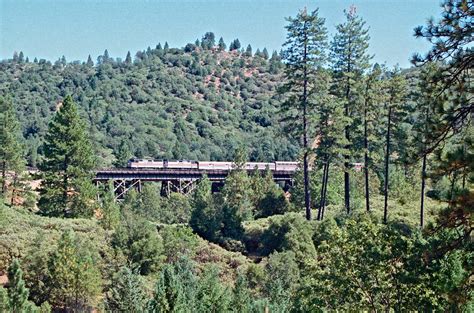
(190, 103)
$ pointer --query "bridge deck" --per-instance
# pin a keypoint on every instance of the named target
(166, 174)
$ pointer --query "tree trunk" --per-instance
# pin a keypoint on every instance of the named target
(4, 177)
(387, 157)
(14, 182)
(307, 195)
(321, 199)
(423, 177)
(325, 190)
(366, 161)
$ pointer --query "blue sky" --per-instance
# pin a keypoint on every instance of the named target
(52, 28)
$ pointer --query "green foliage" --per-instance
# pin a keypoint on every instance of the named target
(175, 289)
(140, 243)
(4, 306)
(17, 292)
(212, 295)
(178, 241)
(109, 209)
(205, 219)
(220, 108)
(126, 293)
(241, 297)
(289, 232)
(11, 148)
(282, 276)
(74, 279)
(67, 186)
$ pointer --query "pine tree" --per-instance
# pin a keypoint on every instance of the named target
(221, 44)
(123, 154)
(374, 97)
(208, 41)
(128, 58)
(67, 168)
(110, 209)
(396, 92)
(350, 59)
(126, 292)
(75, 280)
(236, 189)
(234, 45)
(429, 98)
(248, 51)
(17, 292)
(175, 289)
(304, 56)
(329, 126)
(11, 149)
(212, 296)
(89, 62)
(4, 306)
(241, 297)
(166, 46)
(205, 218)
(265, 53)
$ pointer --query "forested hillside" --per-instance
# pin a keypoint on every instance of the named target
(192, 103)
(378, 218)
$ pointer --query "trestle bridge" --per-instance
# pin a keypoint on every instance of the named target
(174, 180)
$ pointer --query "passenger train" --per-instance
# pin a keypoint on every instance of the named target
(210, 165)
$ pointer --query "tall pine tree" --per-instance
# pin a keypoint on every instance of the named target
(304, 57)
(17, 292)
(350, 60)
(67, 188)
(11, 149)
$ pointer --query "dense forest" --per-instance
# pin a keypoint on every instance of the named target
(199, 103)
(379, 217)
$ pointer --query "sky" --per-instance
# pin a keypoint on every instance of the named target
(76, 28)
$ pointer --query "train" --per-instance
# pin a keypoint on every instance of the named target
(210, 165)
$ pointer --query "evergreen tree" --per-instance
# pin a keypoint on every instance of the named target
(17, 292)
(234, 45)
(109, 208)
(236, 193)
(350, 60)
(248, 51)
(4, 305)
(241, 297)
(123, 154)
(205, 218)
(126, 292)
(429, 97)
(89, 62)
(21, 57)
(211, 294)
(374, 97)
(396, 99)
(265, 53)
(128, 58)
(11, 149)
(140, 243)
(166, 46)
(67, 168)
(175, 289)
(304, 56)
(208, 41)
(75, 280)
(221, 44)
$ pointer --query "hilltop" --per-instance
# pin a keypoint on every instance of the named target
(197, 102)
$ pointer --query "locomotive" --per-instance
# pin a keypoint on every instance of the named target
(210, 165)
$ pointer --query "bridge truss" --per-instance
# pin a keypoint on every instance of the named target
(183, 181)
